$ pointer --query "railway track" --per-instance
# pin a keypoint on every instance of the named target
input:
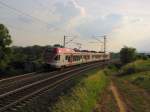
(30, 86)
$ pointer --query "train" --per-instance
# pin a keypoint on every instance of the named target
(65, 57)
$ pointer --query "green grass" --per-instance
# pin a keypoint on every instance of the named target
(141, 79)
(84, 95)
(135, 85)
(139, 65)
(135, 99)
(140, 76)
(107, 102)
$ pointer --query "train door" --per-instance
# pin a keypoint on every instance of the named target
(70, 59)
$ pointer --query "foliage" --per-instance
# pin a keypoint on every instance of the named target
(142, 56)
(83, 96)
(139, 71)
(141, 79)
(115, 55)
(127, 55)
(5, 41)
(135, 97)
(57, 45)
(25, 59)
(135, 88)
(138, 66)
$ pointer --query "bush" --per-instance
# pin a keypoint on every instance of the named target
(127, 55)
(130, 70)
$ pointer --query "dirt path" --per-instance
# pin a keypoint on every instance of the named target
(120, 103)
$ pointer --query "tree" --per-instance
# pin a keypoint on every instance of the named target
(127, 55)
(5, 41)
(58, 45)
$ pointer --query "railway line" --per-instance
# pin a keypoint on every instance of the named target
(25, 87)
(15, 82)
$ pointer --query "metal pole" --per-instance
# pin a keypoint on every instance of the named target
(104, 49)
(105, 44)
(64, 41)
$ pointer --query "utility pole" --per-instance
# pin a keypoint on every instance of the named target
(104, 43)
(64, 41)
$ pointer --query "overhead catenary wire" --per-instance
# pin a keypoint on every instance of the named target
(16, 27)
(23, 13)
(38, 2)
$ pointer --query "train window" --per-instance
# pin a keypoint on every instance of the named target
(78, 58)
(66, 57)
(69, 59)
(57, 58)
(49, 50)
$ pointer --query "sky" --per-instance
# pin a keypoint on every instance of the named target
(45, 22)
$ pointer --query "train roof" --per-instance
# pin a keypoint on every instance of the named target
(68, 50)
(59, 50)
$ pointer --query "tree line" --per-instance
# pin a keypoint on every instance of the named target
(17, 59)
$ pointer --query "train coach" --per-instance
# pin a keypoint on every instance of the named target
(64, 57)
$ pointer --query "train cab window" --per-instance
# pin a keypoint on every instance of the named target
(57, 58)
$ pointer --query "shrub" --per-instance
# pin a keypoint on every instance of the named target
(127, 55)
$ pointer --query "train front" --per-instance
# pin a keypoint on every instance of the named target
(52, 57)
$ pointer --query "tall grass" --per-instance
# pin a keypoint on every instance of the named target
(140, 79)
(139, 65)
(83, 96)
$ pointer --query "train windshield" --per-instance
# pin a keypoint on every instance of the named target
(48, 53)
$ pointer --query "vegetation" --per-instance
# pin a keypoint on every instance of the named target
(135, 67)
(127, 55)
(107, 102)
(26, 59)
(115, 55)
(136, 98)
(134, 85)
(5, 41)
(141, 80)
(18, 60)
(84, 95)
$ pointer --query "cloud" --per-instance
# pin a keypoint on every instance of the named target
(100, 26)
(130, 33)
(125, 22)
(82, 9)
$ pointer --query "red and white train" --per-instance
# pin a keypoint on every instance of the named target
(64, 57)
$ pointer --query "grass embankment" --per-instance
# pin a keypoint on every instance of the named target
(84, 95)
(138, 74)
(107, 102)
(134, 85)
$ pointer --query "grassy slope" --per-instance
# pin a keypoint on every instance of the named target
(135, 87)
(141, 77)
(139, 65)
(142, 80)
(107, 102)
(84, 95)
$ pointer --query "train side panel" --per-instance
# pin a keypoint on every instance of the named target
(63, 57)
